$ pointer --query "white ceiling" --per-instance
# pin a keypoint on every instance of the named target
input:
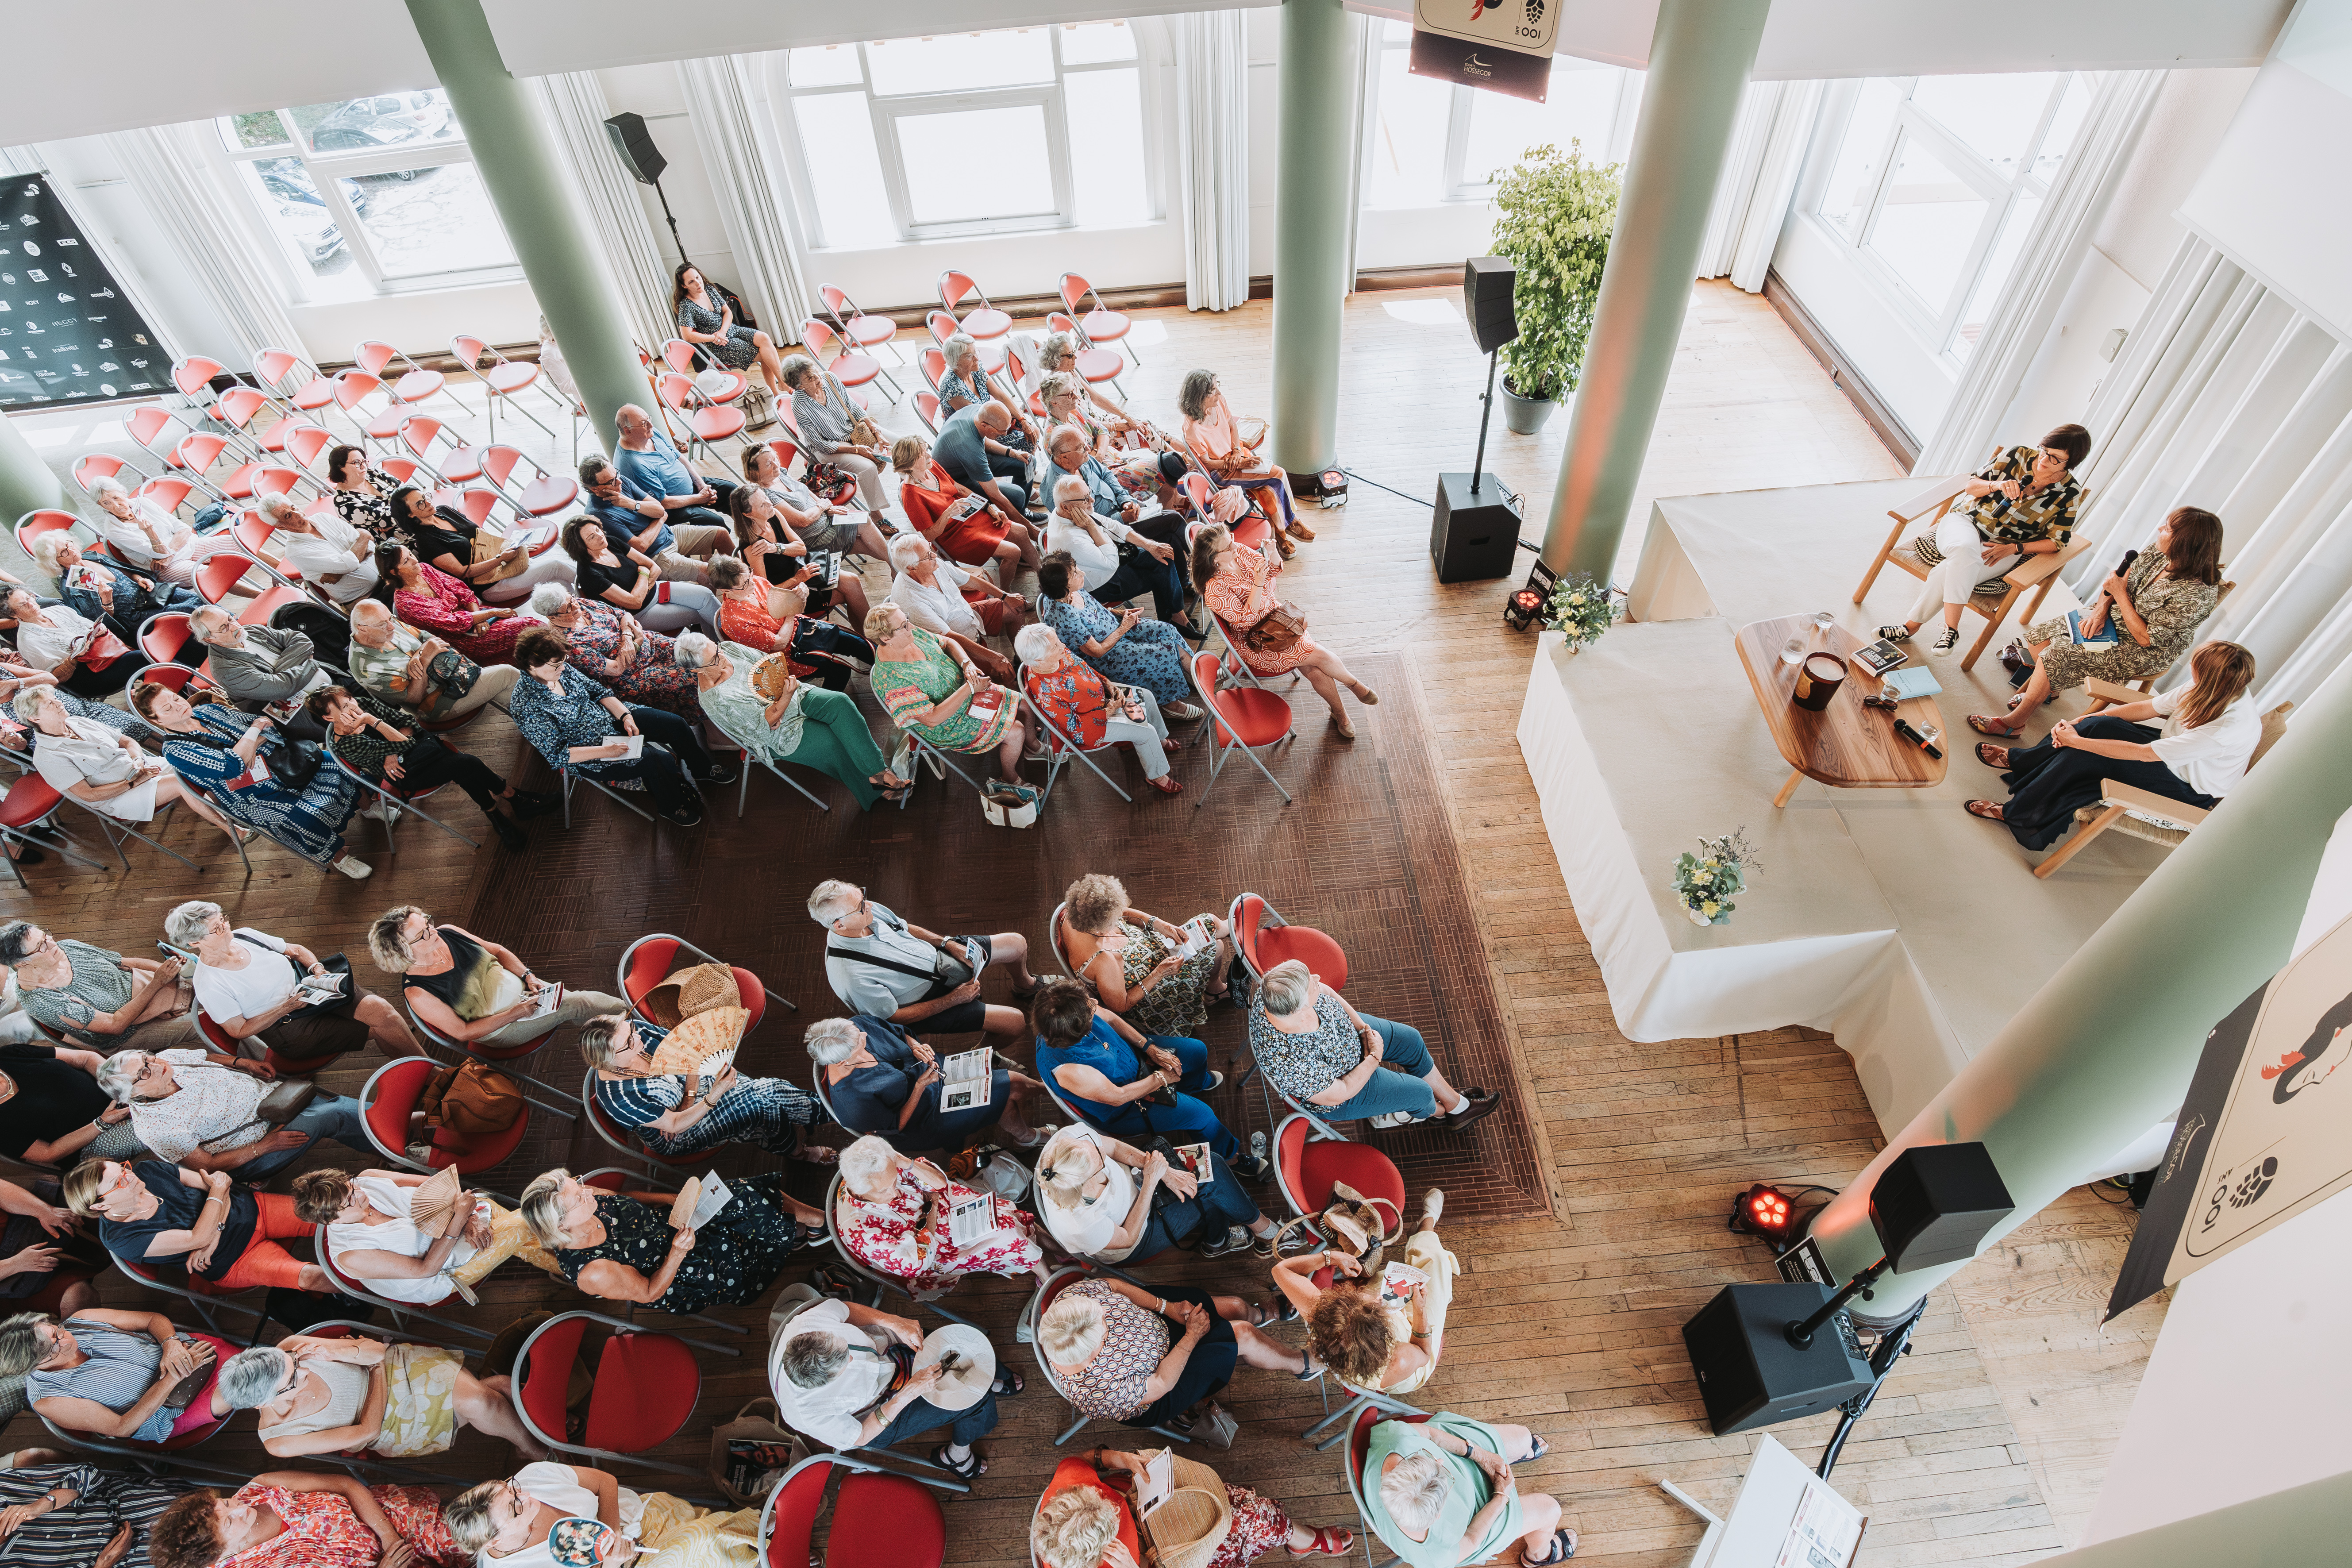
(163, 60)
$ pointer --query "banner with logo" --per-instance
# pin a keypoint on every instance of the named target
(1503, 46)
(66, 332)
(2262, 1135)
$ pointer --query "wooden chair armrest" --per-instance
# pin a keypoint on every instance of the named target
(2112, 691)
(2035, 569)
(2143, 802)
(1932, 499)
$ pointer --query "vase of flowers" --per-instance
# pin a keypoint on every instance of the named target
(1705, 881)
(1580, 609)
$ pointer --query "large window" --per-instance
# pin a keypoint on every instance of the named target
(973, 133)
(1934, 180)
(1432, 141)
(371, 195)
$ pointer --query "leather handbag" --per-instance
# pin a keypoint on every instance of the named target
(1276, 631)
(468, 1101)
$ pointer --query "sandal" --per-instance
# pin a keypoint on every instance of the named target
(1535, 1453)
(1167, 783)
(1564, 1542)
(1008, 1382)
(1330, 1540)
(1985, 724)
(1984, 754)
(1260, 1318)
(972, 1469)
(1990, 811)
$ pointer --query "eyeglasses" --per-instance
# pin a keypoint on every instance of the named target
(147, 1069)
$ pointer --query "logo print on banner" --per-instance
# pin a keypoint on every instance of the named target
(29, 207)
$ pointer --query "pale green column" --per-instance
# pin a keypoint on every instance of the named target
(26, 483)
(1311, 224)
(519, 171)
(2105, 1050)
(1699, 61)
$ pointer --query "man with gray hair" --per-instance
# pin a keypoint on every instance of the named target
(962, 606)
(832, 1369)
(880, 965)
(329, 552)
(262, 666)
(646, 458)
(1118, 562)
(401, 666)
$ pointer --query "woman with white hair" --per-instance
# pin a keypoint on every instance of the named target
(248, 981)
(967, 382)
(679, 1118)
(756, 701)
(1100, 1199)
(622, 1247)
(1122, 1353)
(962, 606)
(1440, 1494)
(893, 1217)
(84, 655)
(1084, 1521)
(843, 1374)
(328, 551)
(202, 1110)
(637, 665)
(1315, 1047)
(334, 1397)
(882, 1080)
(1058, 355)
(99, 589)
(1084, 711)
(103, 768)
(146, 535)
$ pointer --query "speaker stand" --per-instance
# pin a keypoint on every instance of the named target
(1485, 412)
(1895, 1342)
(673, 222)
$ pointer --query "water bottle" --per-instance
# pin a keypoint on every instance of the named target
(1257, 1147)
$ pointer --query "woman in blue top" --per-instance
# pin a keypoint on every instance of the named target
(880, 1079)
(112, 1374)
(1439, 1494)
(572, 722)
(1107, 1072)
(213, 747)
(1150, 654)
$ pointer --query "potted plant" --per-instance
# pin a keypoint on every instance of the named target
(1554, 214)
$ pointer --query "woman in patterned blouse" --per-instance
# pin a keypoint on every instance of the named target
(429, 599)
(305, 1519)
(1124, 1353)
(771, 1113)
(368, 738)
(892, 1215)
(638, 664)
(2023, 503)
(915, 674)
(620, 1246)
(574, 722)
(363, 493)
(1077, 702)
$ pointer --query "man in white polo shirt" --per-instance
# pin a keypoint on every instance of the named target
(841, 1375)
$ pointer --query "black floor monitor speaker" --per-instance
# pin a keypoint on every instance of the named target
(1486, 283)
(636, 146)
(1749, 1372)
(1935, 1203)
(1471, 535)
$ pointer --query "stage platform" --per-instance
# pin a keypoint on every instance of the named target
(1908, 929)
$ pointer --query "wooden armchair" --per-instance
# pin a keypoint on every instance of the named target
(2135, 812)
(2035, 573)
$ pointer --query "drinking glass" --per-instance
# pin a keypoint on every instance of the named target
(1822, 621)
(1793, 652)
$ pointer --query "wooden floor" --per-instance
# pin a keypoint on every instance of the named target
(1988, 1445)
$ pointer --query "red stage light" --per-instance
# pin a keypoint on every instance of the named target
(1764, 1210)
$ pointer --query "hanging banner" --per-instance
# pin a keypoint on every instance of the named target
(1502, 46)
(2261, 1136)
(66, 332)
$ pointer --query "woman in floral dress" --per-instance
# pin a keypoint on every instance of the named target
(928, 687)
(1238, 584)
(436, 603)
(303, 1518)
(637, 665)
(212, 746)
(620, 1245)
(893, 1216)
(363, 493)
(1127, 956)
(1132, 651)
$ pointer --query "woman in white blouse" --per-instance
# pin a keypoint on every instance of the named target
(370, 1236)
(248, 983)
(104, 769)
(2207, 741)
(82, 654)
(146, 535)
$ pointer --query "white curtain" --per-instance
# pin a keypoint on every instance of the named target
(2021, 317)
(1213, 156)
(2229, 399)
(575, 108)
(167, 170)
(751, 192)
(1759, 179)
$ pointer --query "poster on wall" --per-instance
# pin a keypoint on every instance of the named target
(66, 332)
(1502, 46)
(2262, 1135)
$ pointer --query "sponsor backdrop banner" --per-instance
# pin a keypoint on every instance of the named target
(2260, 1136)
(66, 332)
(1503, 46)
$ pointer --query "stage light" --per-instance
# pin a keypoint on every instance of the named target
(1763, 1210)
(1523, 608)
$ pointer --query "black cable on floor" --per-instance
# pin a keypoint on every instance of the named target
(1392, 490)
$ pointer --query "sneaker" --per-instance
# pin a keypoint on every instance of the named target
(356, 869)
(723, 771)
(1946, 641)
(1432, 1204)
(1237, 1240)
(691, 816)
(1214, 1080)
(529, 804)
(1894, 634)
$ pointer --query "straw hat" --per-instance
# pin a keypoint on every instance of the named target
(1186, 1529)
(768, 675)
(698, 989)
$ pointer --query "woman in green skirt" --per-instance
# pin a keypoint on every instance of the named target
(759, 704)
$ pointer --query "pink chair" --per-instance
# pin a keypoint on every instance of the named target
(352, 389)
(926, 409)
(706, 421)
(503, 380)
(1096, 366)
(984, 320)
(459, 464)
(1242, 719)
(541, 493)
(697, 360)
(856, 328)
(852, 369)
(415, 384)
(1100, 325)
(92, 467)
(293, 380)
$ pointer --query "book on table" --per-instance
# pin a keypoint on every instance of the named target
(1914, 680)
(964, 1080)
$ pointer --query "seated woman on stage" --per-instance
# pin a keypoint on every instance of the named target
(372, 1238)
(1440, 1494)
(1217, 444)
(620, 1245)
(1109, 1072)
(882, 1080)
(2208, 740)
(772, 1114)
(892, 1216)
(1083, 1521)
(114, 1374)
(1237, 583)
(2024, 504)
(2157, 607)
(1317, 1049)
(1122, 1352)
(1365, 1343)
(1094, 1195)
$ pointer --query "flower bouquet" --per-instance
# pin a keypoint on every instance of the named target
(1580, 609)
(1705, 881)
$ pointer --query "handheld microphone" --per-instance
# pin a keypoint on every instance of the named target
(1903, 728)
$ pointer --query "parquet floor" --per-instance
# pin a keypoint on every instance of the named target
(1589, 1218)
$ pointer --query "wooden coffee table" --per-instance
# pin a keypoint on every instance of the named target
(1845, 745)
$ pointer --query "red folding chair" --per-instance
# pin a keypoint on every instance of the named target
(193, 376)
(198, 452)
(154, 423)
(697, 360)
(1242, 719)
(31, 801)
(92, 467)
(1100, 325)
(849, 367)
(1359, 1441)
(352, 389)
(503, 380)
(650, 959)
(423, 435)
(647, 1386)
(706, 423)
(222, 574)
(856, 328)
(880, 1519)
(167, 636)
(413, 384)
(33, 525)
(944, 325)
(984, 320)
(1307, 1163)
(292, 379)
(239, 406)
(1096, 366)
(309, 445)
(538, 493)
(391, 1094)
(934, 366)
(926, 409)
(1262, 938)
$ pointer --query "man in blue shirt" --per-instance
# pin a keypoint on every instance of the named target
(646, 458)
(633, 520)
(962, 451)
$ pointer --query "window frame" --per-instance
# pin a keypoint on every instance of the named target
(1938, 327)
(326, 172)
(887, 110)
